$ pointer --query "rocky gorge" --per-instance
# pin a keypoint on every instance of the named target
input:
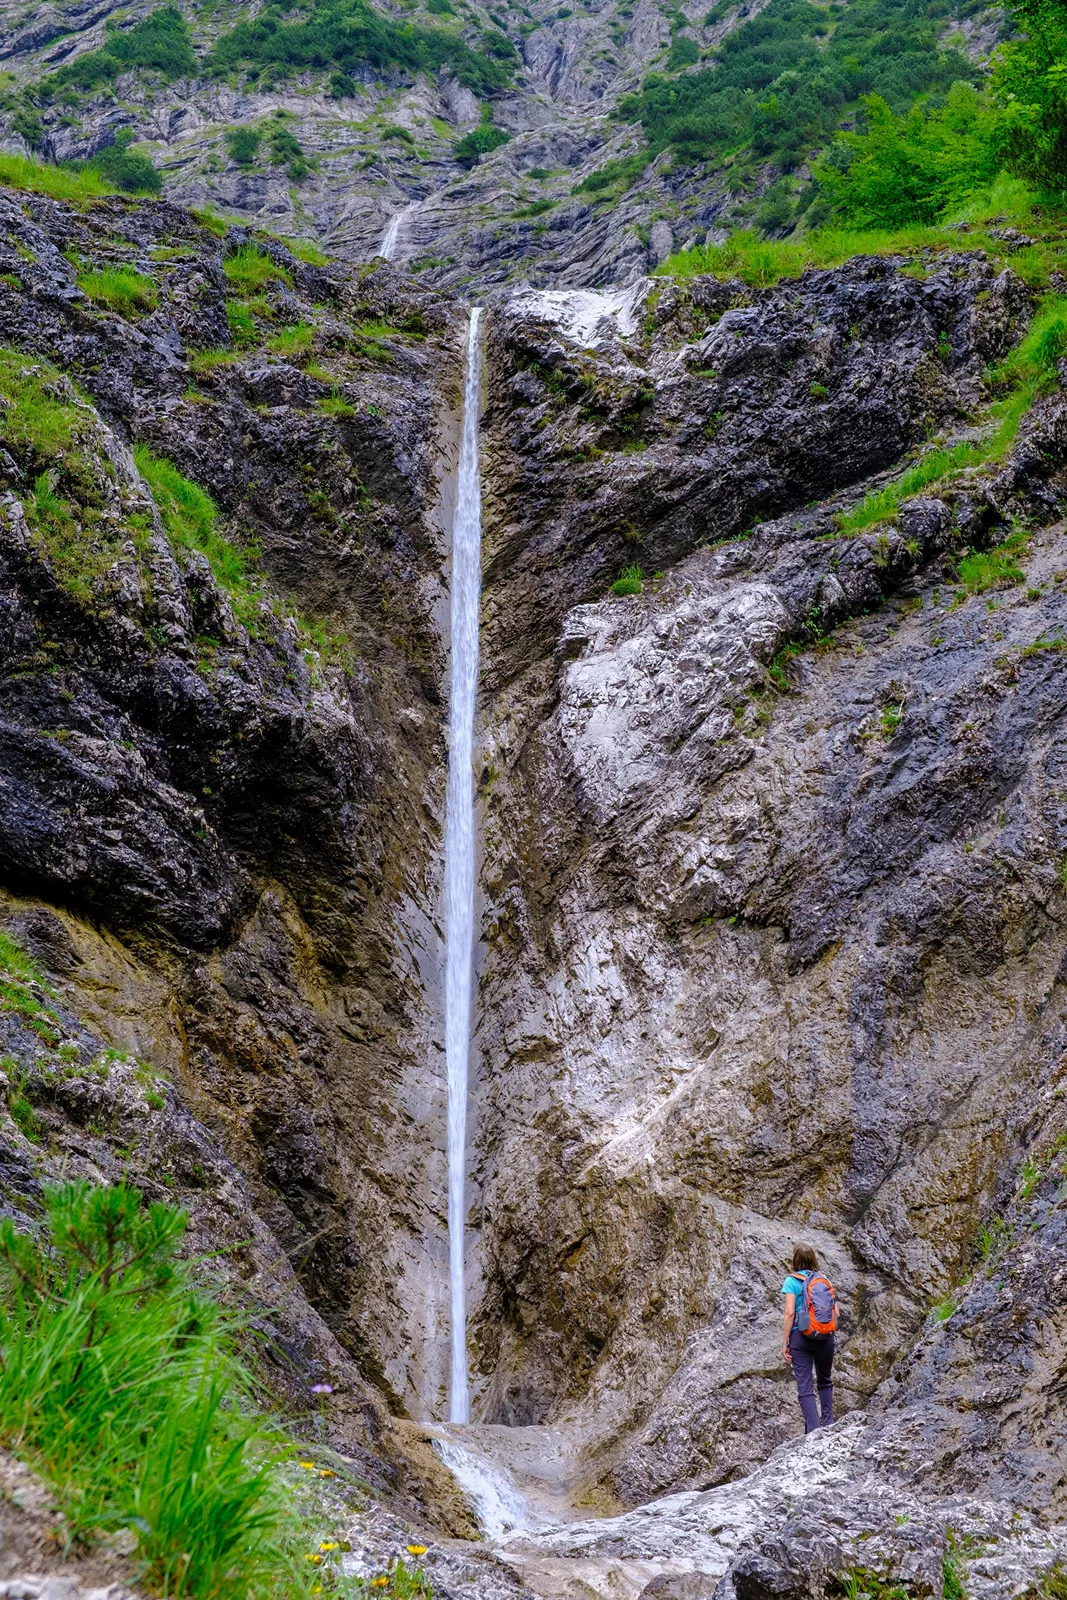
(771, 886)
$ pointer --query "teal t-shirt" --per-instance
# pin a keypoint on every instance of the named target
(795, 1286)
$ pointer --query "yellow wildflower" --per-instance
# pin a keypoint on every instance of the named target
(328, 1544)
(325, 1472)
(315, 1558)
(308, 1466)
(416, 1549)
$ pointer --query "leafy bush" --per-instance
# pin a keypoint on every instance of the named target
(189, 518)
(131, 170)
(912, 168)
(346, 35)
(119, 289)
(121, 1385)
(1030, 133)
(243, 145)
(479, 142)
(159, 43)
(683, 52)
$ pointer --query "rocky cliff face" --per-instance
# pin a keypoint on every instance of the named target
(764, 951)
(773, 899)
(230, 801)
(387, 146)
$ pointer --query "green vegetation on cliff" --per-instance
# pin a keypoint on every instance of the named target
(783, 79)
(346, 35)
(159, 43)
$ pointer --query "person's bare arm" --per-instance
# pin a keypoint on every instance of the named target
(788, 1314)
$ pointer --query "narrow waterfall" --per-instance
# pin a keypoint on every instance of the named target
(387, 248)
(459, 849)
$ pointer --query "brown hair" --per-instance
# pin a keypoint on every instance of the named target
(805, 1259)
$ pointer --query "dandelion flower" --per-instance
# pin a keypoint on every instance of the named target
(416, 1549)
(328, 1544)
(326, 1472)
(315, 1558)
(308, 1466)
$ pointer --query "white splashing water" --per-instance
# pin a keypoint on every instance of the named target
(387, 248)
(497, 1501)
(459, 850)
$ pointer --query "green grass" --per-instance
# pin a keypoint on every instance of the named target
(59, 183)
(761, 262)
(250, 269)
(22, 985)
(205, 361)
(982, 570)
(189, 517)
(630, 581)
(1024, 375)
(294, 342)
(51, 438)
(335, 405)
(119, 289)
(306, 250)
(242, 322)
(122, 1385)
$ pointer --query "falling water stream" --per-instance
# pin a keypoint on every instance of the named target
(460, 849)
(387, 248)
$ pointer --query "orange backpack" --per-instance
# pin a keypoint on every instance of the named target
(817, 1310)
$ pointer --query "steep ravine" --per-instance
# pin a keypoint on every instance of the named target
(773, 901)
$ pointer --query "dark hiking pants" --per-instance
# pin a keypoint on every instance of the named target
(813, 1363)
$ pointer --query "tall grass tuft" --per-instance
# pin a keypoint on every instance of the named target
(120, 1383)
(249, 268)
(119, 289)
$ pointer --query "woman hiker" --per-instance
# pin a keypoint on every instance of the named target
(809, 1305)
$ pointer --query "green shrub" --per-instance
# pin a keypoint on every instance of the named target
(911, 168)
(479, 142)
(630, 581)
(119, 289)
(342, 87)
(122, 1386)
(243, 145)
(684, 52)
(130, 170)
(617, 175)
(785, 76)
(189, 518)
(249, 268)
